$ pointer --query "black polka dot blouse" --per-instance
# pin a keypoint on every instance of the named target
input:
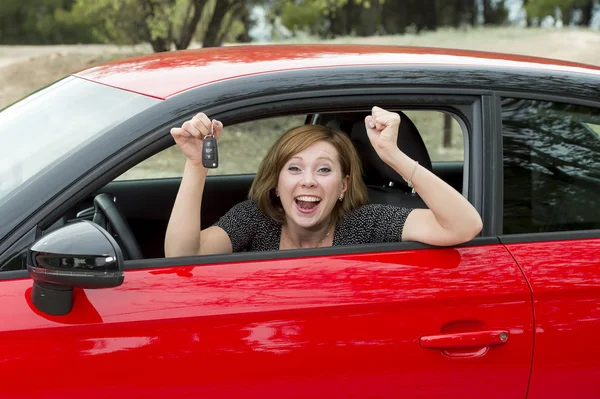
(251, 230)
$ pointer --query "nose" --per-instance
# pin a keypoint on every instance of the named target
(308, 180)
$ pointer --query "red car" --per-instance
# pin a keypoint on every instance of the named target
(90, 307)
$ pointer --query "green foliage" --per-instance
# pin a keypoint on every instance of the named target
(42, 22)
(495, 12)
(330, 18)
(300, 16)
(115, 21)
(162, 23)
(542, 8)
(326, 17)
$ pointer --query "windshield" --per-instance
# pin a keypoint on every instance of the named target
(55, 121)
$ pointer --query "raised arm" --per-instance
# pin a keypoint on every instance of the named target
(183, 237)
(450, 219)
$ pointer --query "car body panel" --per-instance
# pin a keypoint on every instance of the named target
(167, 74)
(565, 280)
(343, 326)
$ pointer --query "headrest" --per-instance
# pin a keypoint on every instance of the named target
(377, 172)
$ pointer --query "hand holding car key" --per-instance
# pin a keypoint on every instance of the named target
(197, 138)
(210, 154)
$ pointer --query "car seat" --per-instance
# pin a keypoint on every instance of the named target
(384, 184)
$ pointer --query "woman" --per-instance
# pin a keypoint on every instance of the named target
(309, 193)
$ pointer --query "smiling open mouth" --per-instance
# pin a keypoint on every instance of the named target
(306, 202)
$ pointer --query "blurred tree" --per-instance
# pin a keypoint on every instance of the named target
(585, 9)
(331, 18)
(299, 16)
(42, 22)
(542, 8)
(528, 16)
(162, 23)
(588, 11)
(223, 16)
(416, 15)
(447, 140)
(494, 12)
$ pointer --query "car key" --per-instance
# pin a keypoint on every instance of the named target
(210, 153)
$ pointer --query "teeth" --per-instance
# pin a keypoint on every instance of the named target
(307, 198)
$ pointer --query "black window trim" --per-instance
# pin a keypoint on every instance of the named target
(494, 174)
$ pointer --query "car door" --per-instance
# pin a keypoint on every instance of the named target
(551, 222)
(396, 320)
(368, 321)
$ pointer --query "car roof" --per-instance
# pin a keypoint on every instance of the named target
(163, 75)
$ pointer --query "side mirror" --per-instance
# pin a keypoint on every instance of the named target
(79, 255)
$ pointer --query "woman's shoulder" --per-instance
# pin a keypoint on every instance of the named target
(246, 206)
(369, 214)
(248, 210)
(372, 223)
(375, 209)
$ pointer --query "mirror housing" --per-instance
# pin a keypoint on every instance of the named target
(79, 255)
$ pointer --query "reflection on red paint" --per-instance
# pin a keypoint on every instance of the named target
(565, 280)
(447, 258)
(184, 271)
(165, 74)
(83, 311)
(319, 327)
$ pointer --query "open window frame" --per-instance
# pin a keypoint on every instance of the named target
(464, 108)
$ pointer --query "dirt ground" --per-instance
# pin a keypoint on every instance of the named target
(23, 69)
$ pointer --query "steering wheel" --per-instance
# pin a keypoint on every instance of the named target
(106, 213)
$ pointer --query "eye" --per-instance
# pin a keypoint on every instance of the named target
(293, 168)
(324, 169)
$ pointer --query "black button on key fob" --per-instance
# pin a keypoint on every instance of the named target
(210, 156)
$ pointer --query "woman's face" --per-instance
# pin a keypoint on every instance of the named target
(309, 185)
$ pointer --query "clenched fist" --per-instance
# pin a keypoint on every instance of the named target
(190, 136)
(382, 129)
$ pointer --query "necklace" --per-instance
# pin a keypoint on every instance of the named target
(318, 245)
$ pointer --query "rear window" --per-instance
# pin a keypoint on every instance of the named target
(551, 166)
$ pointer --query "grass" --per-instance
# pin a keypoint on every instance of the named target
(243, 146)
(595, 128)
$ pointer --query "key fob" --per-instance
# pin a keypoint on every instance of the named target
(210, 154)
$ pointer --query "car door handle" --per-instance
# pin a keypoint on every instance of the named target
(476, 339)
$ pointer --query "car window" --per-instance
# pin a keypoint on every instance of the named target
(441, 133)
(53, 122)
(551, 166)
(237, 154)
